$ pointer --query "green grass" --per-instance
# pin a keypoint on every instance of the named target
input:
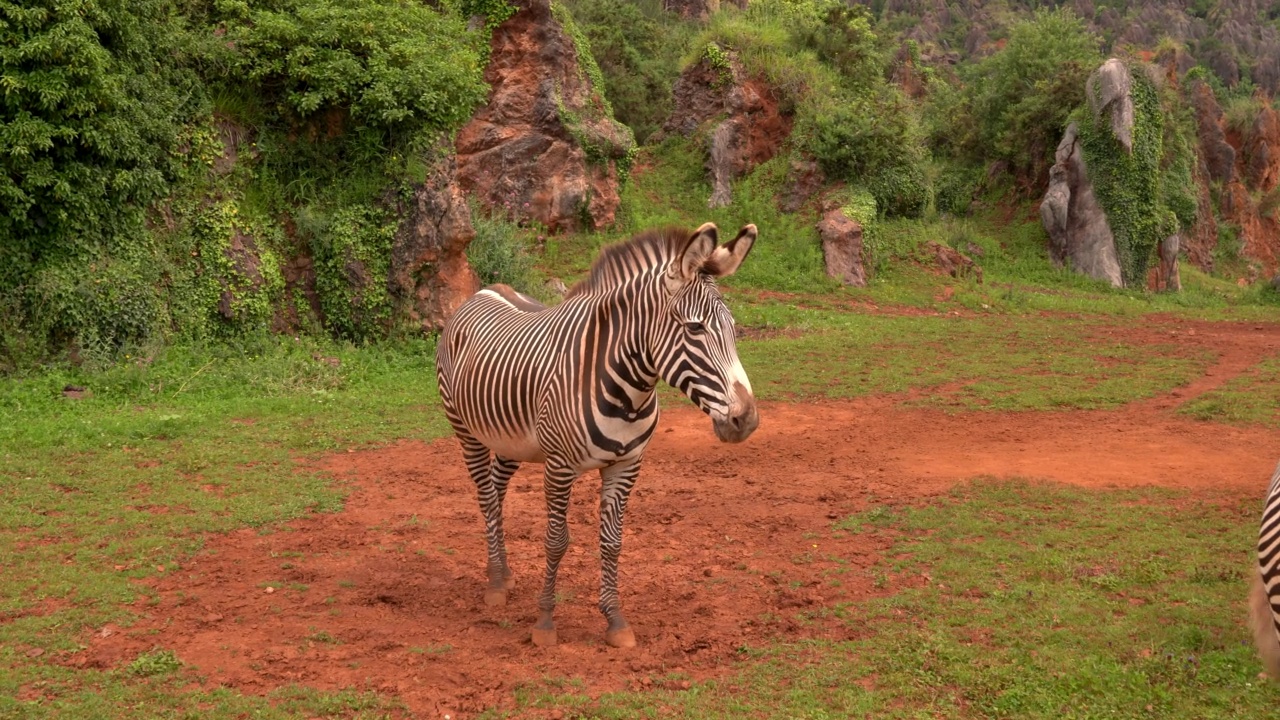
(1253, 397)
(97, 493)
(987, 362)
(1024, 601)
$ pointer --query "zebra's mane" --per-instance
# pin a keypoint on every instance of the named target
(620, 262)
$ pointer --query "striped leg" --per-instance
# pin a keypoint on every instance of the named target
(557, 482)
(491, 479)
(616, 482)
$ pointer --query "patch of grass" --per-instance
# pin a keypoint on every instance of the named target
(1252, 397)
(156, 662)
(991, 362)
(1037, 601)
(99, 492)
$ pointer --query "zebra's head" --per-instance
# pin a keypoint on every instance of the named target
(697, 354)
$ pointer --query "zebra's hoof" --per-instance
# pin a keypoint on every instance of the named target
(495, 597)
(544, 638)
(621, 638)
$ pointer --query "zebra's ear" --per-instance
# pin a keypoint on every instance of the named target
(727, 258)
(700, 246)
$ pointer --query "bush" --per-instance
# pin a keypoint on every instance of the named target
(955, 189)
(1022, 95)
(352, 250)
(901, 191)
(394, 65)
(637, 46)
(498, 255)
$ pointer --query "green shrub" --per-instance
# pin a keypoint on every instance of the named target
(96, 95)
(901, 191)
(499, 254)
(1022, 95)
(956, 187)
(395, 65)
(352, 250)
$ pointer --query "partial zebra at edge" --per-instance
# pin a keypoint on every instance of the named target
(1262, 622)
(1264, 593)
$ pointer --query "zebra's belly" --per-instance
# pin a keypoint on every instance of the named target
(522, 449)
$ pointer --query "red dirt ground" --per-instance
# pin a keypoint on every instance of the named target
(723, 544)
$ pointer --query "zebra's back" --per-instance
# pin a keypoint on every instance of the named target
(496, 357)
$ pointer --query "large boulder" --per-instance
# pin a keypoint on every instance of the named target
(429, 274)
(1079, 235)
(545, 148)
(842, 248)
(739, 116)
(1110, 94)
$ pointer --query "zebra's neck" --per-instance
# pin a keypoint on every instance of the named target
(628, 321)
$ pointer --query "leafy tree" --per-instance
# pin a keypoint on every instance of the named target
(1022, 95)
(94, 96)
(390, 64)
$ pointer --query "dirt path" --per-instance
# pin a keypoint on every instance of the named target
(723, 545)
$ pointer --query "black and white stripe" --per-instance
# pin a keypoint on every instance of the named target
(1265, 601)
(572, 386)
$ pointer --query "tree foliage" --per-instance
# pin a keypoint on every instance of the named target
(1021, 96)
(93, 105)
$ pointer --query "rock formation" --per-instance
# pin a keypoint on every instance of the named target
(545, 148)
(1079, 235)
(738, 115)
(1244, 163)
(429, 273)
(951, 261)
(842, 248)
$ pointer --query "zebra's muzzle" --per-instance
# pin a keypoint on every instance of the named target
(741, 420)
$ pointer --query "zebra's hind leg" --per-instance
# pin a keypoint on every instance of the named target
(491, 479)
(556, 483)
(493, 495)
(615, 488)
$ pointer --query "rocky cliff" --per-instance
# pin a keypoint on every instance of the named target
(545, 147)
(738, 117)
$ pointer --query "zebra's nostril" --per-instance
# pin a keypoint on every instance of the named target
(736, 422)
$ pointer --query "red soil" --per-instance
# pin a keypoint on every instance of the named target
(723, 546)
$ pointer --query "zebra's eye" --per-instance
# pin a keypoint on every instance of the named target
(695, 328)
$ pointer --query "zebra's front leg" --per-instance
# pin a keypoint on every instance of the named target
(615, 488)
(556, 483)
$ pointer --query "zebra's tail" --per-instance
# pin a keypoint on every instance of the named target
(1264, 625)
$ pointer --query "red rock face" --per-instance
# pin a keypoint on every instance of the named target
(739, 116)
(544, 148)
(1245, 165)
(429, 272)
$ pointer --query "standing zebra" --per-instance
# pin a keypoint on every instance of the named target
(572, 386)
(1264, 600)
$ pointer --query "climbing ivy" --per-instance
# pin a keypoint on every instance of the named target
(1128, 184)
(621, 146)
(718, 59)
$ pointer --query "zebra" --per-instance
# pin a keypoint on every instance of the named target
(572, 386)
(1264, 597)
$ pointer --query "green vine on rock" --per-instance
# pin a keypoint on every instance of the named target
(718, 58)
(1128, 184)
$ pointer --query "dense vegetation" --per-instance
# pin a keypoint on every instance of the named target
(127, 224)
